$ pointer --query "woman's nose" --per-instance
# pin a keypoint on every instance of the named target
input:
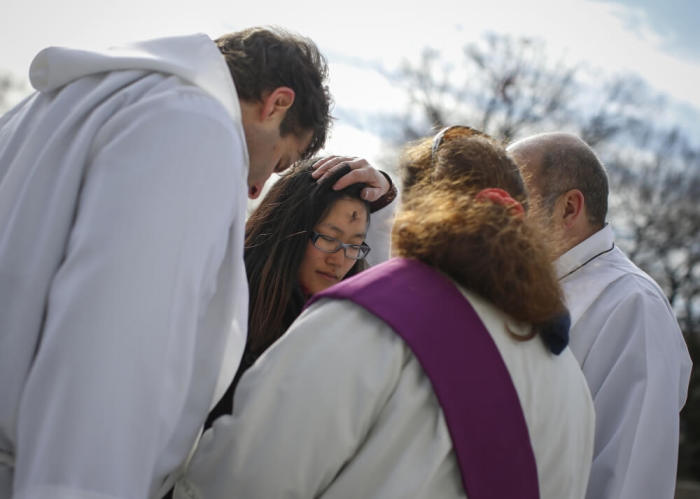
(336, 258)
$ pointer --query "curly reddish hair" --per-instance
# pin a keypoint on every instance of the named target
(477, 242)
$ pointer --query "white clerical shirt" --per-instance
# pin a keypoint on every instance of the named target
(631, 350)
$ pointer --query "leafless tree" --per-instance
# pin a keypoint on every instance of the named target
(501, 85)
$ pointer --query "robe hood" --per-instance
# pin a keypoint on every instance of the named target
(194, 58)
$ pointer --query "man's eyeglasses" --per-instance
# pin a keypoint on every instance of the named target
(450, 132)
(329, 244)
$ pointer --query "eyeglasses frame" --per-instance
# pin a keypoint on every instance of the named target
(362, 247)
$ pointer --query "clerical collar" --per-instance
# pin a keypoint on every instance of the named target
(585, 252)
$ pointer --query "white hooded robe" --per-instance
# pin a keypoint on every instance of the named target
(123, 297)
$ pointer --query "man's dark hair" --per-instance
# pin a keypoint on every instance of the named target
(263, 59)
(574, 165)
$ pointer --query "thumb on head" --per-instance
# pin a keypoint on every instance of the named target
(371, 194)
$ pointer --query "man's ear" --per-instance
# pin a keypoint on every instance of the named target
(276, 104)
(572, 208)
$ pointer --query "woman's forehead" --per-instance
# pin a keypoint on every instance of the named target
(346, 214)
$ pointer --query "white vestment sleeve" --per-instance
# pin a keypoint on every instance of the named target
(113, 386)
(633, 373)
(302, 411)
(379, 233)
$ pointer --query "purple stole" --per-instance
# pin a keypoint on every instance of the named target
(468, 375)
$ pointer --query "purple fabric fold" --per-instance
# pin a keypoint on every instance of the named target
(468, 375)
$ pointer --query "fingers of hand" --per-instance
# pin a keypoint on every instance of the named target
(366, 175)
(327, 165)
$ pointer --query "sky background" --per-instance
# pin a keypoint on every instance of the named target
(658, 40)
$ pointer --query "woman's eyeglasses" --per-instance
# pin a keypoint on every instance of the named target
(329, 244)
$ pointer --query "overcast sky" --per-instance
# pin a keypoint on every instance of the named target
(659, 40)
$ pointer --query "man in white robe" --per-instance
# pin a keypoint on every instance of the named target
(123, 295)
(624, 333)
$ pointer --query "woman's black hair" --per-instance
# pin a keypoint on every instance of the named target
(277, 234)
(276, 238)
